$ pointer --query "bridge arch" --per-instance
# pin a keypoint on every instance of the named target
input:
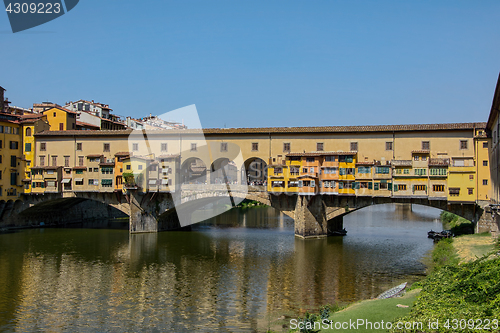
(194, 171)
(254, 171)
(223, 170)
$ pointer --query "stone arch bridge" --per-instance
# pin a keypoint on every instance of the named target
(314, 215)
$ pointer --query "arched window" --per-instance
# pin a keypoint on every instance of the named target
(28, 131)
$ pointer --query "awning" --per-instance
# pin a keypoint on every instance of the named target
(78, 179)
(164, 181)
(66, 180)
(152, 182)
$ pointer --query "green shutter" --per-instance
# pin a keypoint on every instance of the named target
(370, 185)
(376, 185)
(395, 187)
(389, 186)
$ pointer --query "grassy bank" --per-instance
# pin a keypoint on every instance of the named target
(463, 284)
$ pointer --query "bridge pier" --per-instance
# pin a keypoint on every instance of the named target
(140, 220)
(310, 217)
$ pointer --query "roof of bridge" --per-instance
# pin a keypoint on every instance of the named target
(277, 130)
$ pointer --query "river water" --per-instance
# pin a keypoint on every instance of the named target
(239, 272)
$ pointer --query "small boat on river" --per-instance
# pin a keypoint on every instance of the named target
(438, 235)
(393, 291)
(342, 232)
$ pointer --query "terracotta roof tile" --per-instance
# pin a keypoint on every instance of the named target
(282, 130)
(401, 163)
(421, 151)
(94, 155)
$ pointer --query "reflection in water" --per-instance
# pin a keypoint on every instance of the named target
(220, 277)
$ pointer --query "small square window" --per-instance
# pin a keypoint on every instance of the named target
(286, 147)
(43, 146)
(135, 146)
(426, 145)
(485, 181)
(223, 146)
(164, 147)
(106, 147)
(485, 163)
(354, 146)
(319, 146)
(255, 146)
(388, 145)
(471, 176)
(485, 144)
(470, 191)
(193, 147)
(78, 146)
(464, 144)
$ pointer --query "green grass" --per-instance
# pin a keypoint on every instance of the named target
(374, 310)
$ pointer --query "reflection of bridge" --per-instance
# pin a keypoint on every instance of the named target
(314, 216)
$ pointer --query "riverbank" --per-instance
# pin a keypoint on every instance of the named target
(462, 284)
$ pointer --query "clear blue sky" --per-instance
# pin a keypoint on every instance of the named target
(264, 63)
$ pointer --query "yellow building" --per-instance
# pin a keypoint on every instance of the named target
(483, 179)
(60, 119)
(11, 158)
(31, 124)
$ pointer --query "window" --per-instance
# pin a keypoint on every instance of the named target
(223, 146)
(13, 178)
(43, 146)
(193, 147)
(364, 169)
(13, 161)
(329, 158)
(485, 181)
(471, 177)
(415, 158)
(128, 167)
(485, 144)
(463, 144)
(286, 147)
(319, 146)
(27, 147)
(79, 181)
(388, 145)
(14, 145)
(400, 187)
(96, 169)
(152, 167)
(105, 147)
(135, 146)
(398, 171)
(61, 126)
(354, 146)
(42, 160)
(255, 146)
(454, 191)
(28, 131)
(438, 188)
(470, 191)
(406, 171)
(485, 163)
(140, 166)
(278, 171)
(78, 146)
(54, 114)
(107, 182)
(54, 160)
(8, 130)
(426, 145)
(310, 160)
(437, 172)
(164, 147)
(66, 161)
(80, 160)
(1, 144)
(419, 188)
(382, 169)
(420, 172)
